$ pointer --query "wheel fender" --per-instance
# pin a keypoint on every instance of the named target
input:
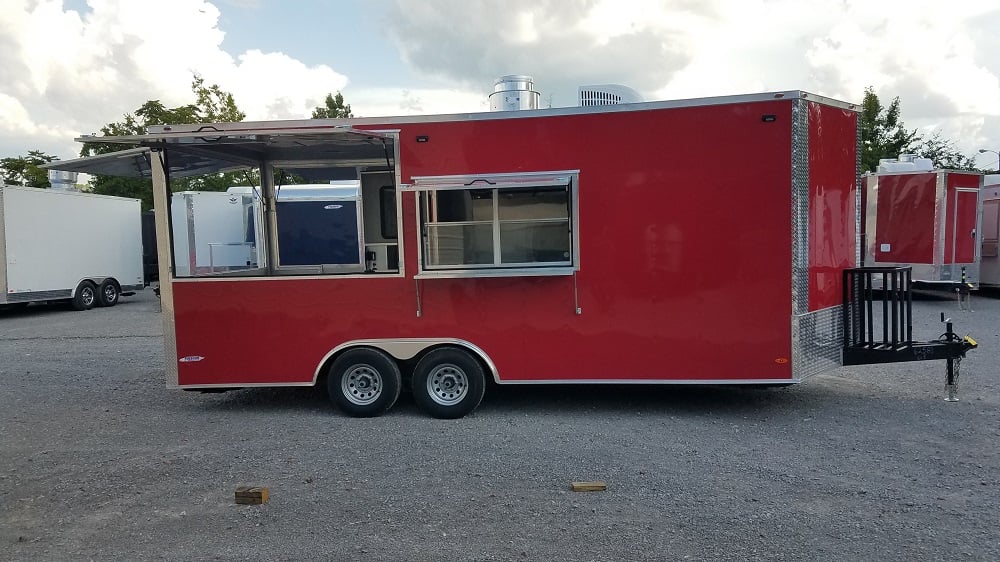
(402, 349)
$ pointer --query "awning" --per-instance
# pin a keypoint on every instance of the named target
(491, 181)
(209, 151)
(134, 163)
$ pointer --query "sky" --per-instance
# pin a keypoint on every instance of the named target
(68, 67)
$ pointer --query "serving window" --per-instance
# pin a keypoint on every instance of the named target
(503, 224)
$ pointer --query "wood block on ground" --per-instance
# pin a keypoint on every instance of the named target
(251, 495)
(589, 486)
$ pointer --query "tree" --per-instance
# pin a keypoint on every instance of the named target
(944, 154)
(212, 105)
(24, 170)
(334, 107)
(882, 133)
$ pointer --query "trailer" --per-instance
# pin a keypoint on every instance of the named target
(601, 245)
(990, 232)
(924, 218)
(61, 245)
(150, 259)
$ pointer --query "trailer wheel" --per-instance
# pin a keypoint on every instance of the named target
(448, 383)
(108, 294)
(85, 297)
(364, 382)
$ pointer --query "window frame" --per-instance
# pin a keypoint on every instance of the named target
(496, 183)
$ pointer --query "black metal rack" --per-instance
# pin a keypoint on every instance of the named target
(894, 295)
(878, 326)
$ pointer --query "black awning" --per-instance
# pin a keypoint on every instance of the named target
(193, 154)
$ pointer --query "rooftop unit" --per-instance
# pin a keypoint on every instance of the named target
(607, 94)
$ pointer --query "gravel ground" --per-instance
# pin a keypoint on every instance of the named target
(99, 461)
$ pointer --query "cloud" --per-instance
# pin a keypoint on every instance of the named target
(932, 56)
(382, 102)
(63, 72)
(938, 57)
(561, 44)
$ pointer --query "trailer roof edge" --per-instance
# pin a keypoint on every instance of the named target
(158, 132)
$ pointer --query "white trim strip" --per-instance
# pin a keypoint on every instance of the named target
(686, 382)
(658, 381)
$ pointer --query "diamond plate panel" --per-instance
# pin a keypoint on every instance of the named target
(940, 220)
(40, 295)
(800, 207)
(817, 341)
(859, 251)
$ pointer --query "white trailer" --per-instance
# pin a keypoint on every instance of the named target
(67, 245)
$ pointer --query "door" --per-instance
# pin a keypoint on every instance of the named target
(964, 236)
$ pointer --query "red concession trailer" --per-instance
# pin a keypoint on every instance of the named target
(925, 218)
(576, 245)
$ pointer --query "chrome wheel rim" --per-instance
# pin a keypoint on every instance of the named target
(87, 296)
(361, 385)
(447, 384)
(110, 294)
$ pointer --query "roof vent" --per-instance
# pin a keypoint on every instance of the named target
(905, 163)
(513, 92)
(607, 94)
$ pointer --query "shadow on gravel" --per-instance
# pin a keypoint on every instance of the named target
(610, 399)
(531, 400)
(17, 311)
(302, 399)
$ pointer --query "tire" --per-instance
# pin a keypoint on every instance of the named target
(448, 383)
(85, 296)
(364, 382)
(108, 293)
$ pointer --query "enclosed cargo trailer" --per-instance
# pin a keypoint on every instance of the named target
(67, 245)
(578, 245)
(924, 218)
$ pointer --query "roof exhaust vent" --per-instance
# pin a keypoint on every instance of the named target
(513, 92)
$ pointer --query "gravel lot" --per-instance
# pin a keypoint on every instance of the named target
(98, 460)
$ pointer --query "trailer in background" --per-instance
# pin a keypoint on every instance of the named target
(61, 245)
(990, 232)
(925, 218)
(150, 262)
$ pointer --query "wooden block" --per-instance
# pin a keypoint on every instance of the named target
(251, 495)
(589, 486)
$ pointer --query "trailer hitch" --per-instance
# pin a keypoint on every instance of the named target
(961, 346)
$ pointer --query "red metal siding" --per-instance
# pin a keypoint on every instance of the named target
(832, 202)
(905, 218)
(685, 260)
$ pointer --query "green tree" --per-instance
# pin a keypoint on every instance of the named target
(334, 107)
(882, 133)
(24, 170)
(212, 105)
(944, 154)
